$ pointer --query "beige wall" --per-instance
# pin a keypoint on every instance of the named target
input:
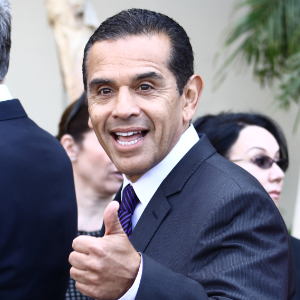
(34, 75)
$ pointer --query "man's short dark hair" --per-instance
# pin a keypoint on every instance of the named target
(5, 42)
(134, 22)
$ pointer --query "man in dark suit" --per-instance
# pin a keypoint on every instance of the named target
(38, 214)
(187, 223)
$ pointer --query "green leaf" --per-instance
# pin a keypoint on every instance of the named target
(267, 36)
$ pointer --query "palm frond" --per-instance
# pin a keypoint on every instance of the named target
(290, 84)
(267, 36)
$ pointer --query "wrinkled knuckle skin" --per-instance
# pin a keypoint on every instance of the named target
(80, 289)
(95, 293)
(97, 248)
(94, 266)
(94, 278)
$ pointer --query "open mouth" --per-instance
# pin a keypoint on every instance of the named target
(130, 137)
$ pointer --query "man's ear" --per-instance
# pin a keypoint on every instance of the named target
(90, 123)
(71, 147)
(192, 93)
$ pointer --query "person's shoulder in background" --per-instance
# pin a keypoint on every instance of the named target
(38, 215)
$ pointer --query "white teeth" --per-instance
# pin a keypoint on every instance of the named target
(128, 133)
(129, 143)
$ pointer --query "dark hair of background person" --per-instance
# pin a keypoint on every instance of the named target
(135, 22)
(76, 126)
(223, 130)
(5, 41)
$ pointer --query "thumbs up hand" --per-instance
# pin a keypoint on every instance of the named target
(105, 268)
(111, 220)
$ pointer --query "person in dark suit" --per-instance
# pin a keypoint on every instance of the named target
(38, 213)
(187, 223)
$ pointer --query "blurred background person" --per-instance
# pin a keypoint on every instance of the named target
(96, 178)
(257, 144)
(252, 141)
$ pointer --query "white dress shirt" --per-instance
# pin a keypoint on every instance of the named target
(148, 184)
(4, 93)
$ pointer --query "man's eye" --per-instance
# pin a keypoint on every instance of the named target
(144, 87)
(104, 91)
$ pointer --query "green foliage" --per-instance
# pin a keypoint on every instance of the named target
(267, 36)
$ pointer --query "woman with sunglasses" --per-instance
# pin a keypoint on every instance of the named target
(96, 178)
(257, 144)
(252, 141)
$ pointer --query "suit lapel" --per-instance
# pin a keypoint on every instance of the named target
(187, 166)
(153, 215)
(158, 208)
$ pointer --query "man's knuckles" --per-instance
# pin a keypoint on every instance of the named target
(99, 248)
(95, 265)
(78, 275)
(77, 259)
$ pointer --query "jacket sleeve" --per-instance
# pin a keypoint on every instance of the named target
(242, 252)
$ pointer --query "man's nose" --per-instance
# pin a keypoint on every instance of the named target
(126, 104)
(276, 174)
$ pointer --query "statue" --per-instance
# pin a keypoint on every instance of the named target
(73, 22)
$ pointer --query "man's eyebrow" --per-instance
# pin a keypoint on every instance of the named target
(98, 81)
(150, 75)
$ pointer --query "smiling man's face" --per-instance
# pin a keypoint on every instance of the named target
(134, 105)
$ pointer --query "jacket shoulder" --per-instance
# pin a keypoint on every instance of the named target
(232, 174)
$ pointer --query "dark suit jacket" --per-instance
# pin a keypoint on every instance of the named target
(212, 232)
(296, 249)
(38, 214)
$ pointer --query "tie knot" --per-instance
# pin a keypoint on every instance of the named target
(127, 207)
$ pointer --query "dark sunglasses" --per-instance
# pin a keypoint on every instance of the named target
(74, 112)
(266, 162)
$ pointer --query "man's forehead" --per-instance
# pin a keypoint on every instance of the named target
(132, 51)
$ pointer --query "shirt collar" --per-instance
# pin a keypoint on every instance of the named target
(147, 185)
(4, 93)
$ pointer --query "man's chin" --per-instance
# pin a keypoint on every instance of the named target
(134, 170)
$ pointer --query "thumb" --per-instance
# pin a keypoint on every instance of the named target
(111, 219)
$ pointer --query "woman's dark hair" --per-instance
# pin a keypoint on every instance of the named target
(74, 120)
(223, 130)
(135, 22)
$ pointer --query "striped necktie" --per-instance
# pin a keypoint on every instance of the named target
(127, 207)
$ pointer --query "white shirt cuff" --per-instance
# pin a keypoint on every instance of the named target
(131, 293)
